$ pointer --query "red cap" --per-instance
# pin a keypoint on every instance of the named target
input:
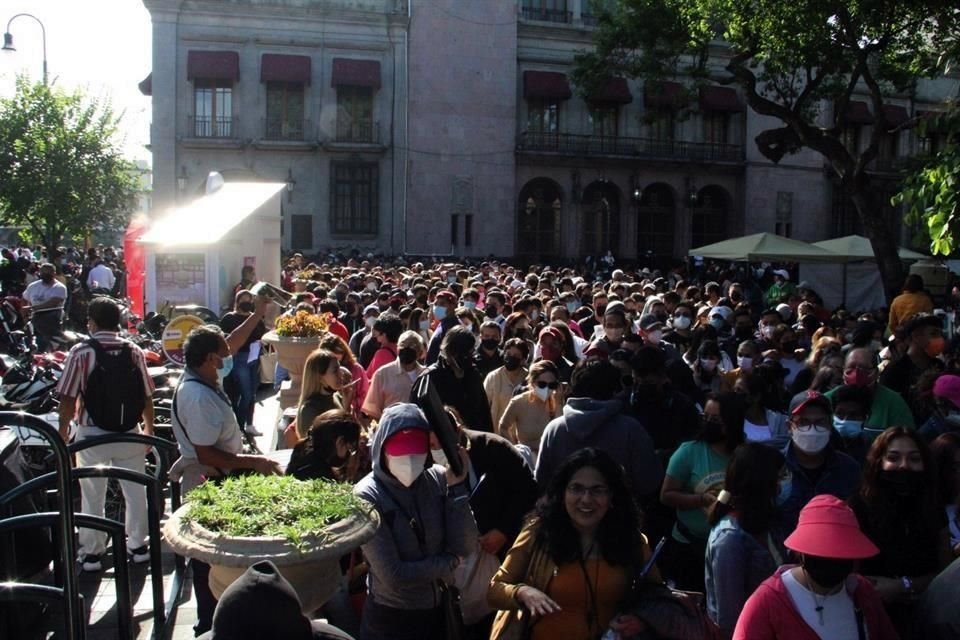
(948, 386)
(828, 528)
(449, 296)
(550, 331)
(407, 442)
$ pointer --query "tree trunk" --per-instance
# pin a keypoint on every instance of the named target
(885, 246)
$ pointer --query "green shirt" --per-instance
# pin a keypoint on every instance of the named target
(700, 469)
(778, 293)
(888, 409)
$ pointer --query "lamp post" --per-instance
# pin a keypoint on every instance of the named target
(8, 39)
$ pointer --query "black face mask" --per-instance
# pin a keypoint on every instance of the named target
(736, 296)
(601, 309)
(646, 392)
(512, 363)
(491, 311)
(246, 307)
(743, 333)
(489, 344)
(662, 317)
(46, 278)
(407, 355)
(789, 346)
(712, 431)
(827, 572)
(351, 309)
(902, 482)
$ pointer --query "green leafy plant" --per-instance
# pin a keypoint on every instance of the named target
(302, 325)
(273, 506)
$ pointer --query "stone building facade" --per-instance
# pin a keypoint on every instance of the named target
(452, 128)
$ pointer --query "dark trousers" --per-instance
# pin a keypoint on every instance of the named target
(206, 603)
(386, 623)
(46, 324)
(685, 564)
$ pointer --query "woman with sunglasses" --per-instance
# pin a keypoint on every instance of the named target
(528, 413)
(574, 562)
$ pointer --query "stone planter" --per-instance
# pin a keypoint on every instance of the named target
(291, 355)
(313, 568)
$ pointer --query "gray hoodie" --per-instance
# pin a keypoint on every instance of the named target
(404, 572)
(601, 424)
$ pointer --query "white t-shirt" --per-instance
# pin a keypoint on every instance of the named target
(839, 618)
(101, 277)
(756, 432)
(38, 293)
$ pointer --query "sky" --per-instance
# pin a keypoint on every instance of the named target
(101, 46)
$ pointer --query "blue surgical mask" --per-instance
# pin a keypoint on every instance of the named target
(848, 428)
(783, 494)
(225, 368)
(439, 312)
(717, 323)
(424, 325)
(469, 304)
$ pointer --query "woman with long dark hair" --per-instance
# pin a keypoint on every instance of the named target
(572, 565)
(741, 553)
(897, 508)
(946, 455)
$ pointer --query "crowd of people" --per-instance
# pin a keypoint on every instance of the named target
(800, 463)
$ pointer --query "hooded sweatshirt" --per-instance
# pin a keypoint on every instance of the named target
(403, 573)
(601, 424)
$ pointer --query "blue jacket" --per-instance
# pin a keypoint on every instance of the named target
(839, 477)
(404, 573)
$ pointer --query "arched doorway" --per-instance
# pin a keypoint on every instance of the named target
(538, 220)
(709, 216)
(600, 219)
(656, 217)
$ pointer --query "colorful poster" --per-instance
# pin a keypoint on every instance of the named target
(181, 279)
(176, 333)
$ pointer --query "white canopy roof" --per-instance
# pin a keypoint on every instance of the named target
(208, 219)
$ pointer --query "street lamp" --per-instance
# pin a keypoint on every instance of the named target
(8, 39)
(291, 183)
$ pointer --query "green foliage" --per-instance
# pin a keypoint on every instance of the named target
(930, 194)
(255, 505)
(61, 170)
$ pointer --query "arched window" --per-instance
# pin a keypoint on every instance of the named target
(709, 216)
(655, 221)
(601, 219)
(538, 220)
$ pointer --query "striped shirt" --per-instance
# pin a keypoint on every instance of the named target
(79, 365)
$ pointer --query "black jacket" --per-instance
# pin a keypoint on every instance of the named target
(466, 394)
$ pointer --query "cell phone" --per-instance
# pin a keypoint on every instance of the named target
(653, 558)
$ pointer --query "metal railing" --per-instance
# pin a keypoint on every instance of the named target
(546, 15)
(366, 132)
(213, 126)
(588, 19)
(286, 129)
(596, 146)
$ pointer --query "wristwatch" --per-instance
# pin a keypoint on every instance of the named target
(907, 584)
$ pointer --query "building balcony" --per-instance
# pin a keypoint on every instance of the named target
(570, 144)
(286, 129)
(546, 15)
(356, 136)
(212, 131)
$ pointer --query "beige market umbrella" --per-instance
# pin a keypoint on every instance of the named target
(764, 247)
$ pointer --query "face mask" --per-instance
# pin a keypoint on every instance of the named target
(469, 304)
(424, 325)
(406, 469)
(439, 312)
(716, 323)
(534, 315)
(491, 311)
(543, 394)
(903, 482)
(439, 457)
(451, 279)
(413, 375)
(827, 572)
(783, 493)
(550, 353)
(511, 363)
(681, 322)
(654, 337)
(225, 368)
(707, 364)
(601, 309)
(789, 346)
(571, 307)
(613, 334)
(407, 355)
(369, 322)
(351, 309)
(813, 441)
(489, 344)
(712, 432)
(953, 419)
(745, 363)
(246, 307)
(857, 378)
(662, 316)
(646, 392)
(371, 286)
(46, 278)
(736, 296)
(848, 428)
(935, 346)
(767, 331)
(743, 333)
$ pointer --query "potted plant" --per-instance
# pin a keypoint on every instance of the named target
(294, 337)
(303, 527)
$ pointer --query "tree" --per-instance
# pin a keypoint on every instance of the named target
(61, 171)
(792, 61)
(929, 194)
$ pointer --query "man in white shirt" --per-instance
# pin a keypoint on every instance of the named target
(100, 277)
(45, 299)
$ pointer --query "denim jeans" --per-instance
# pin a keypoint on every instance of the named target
(245, 379)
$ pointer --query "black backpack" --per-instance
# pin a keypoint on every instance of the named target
(114, 396)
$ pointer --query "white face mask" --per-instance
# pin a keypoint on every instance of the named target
(371, 286)
(707, 364)
(654, 337)
(613, 335)
(813, 441)
(767, 331)
(681, 322)
(406, 469)
(543, 394)
(745, 363)
(369, 322)
(413, 375)
(439, 457)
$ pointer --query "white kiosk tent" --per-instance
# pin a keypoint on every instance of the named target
(194, 254)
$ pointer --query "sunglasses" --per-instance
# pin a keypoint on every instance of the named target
(543, 385)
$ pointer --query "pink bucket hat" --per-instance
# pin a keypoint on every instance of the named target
(948, 386)
(828, 528)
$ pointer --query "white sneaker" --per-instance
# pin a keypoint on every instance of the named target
(251, 430)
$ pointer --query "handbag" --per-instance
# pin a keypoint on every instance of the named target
(268, 363)
(472, 580)
(453, 626)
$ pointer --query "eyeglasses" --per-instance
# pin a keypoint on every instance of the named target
(543, 385)
(597, 491)
(806, 425)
